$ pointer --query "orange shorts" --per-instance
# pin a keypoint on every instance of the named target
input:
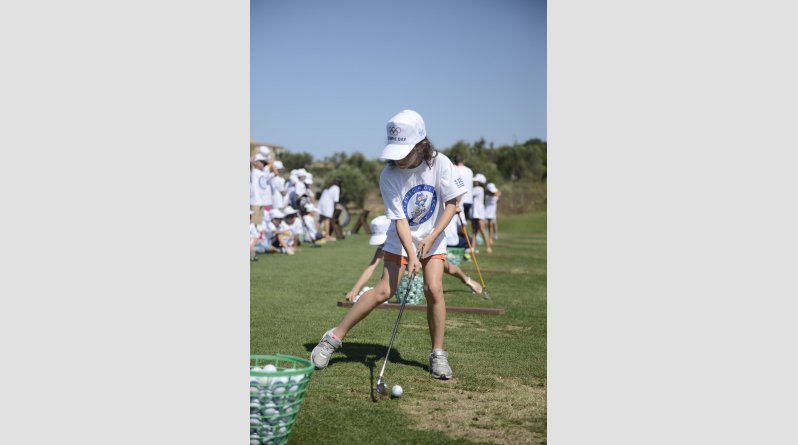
(402, 260)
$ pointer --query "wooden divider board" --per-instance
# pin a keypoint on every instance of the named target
(423, 307)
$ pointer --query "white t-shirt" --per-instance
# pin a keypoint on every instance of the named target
(278, 186)
(296, 227)
(478, 207)
(490, 206)
(468, 177)
(452, 237)
(328, 199)
(262, 193)
(419, 195)
(298, 191)
(311, 225)
(254, 231)
(271, 229)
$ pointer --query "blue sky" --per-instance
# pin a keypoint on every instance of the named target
(327, 76)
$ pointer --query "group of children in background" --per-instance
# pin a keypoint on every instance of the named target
(289, 214)
(285, 213)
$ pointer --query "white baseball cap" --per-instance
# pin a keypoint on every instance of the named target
(289, 211)
(403, 132)
(479, 177)
(379, 230)
(260, 157)
(309, 179)
(276, 213)
(278, 165)
(311, 208)
(491, 187)
(301, 172)
(264, 150)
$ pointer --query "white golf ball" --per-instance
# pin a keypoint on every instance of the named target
(270, 368)
(396, 391)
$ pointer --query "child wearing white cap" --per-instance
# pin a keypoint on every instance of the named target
(294, 224)
(309, 218)
(420, 190)
(329, 197)
(260, 196)
(277, 233)
(478, 211)
(277, 184)
(379, 230)
(492, 195)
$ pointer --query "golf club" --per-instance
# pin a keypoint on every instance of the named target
(485, 293)
(382, 388)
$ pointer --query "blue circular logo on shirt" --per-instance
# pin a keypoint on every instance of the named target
(419, 204)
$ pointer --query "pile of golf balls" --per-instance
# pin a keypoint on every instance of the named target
(416, 295)
(362, 291)
(454, 256)
(273, 403)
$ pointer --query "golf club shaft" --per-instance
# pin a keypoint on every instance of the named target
(473, 252)
(398, 319)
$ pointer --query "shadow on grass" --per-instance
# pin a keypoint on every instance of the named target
(458, 290)
(369, 354)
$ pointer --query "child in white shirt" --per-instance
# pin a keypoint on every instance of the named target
(420, 190)
(478, 212)
(277, 233)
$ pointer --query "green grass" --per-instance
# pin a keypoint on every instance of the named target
(498, 394)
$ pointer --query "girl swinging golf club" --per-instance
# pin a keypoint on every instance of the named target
(420, 189)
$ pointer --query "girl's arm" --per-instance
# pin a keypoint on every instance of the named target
(403, 230)
(364, 277)
(449, 210)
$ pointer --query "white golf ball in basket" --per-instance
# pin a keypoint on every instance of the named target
(397, 391)
(362, 291)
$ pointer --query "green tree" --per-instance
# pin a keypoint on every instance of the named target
(293, 161)
(355, 185)
(370, 168)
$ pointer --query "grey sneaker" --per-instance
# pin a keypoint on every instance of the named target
(439, 364)
(323, 351)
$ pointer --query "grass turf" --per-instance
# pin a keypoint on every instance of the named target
(498, 393)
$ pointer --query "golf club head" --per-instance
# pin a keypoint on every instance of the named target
(485, 295)
(382, 388)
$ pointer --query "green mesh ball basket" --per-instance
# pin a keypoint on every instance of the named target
(454, 255)
(277, 385)
(416, 293)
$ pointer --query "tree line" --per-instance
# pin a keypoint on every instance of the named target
(503, 164)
